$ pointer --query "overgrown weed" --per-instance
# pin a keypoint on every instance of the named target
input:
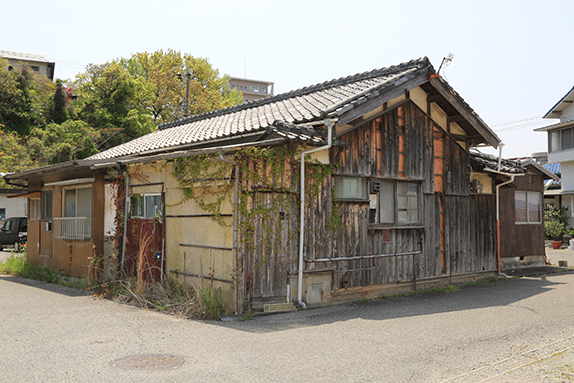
(171, 296)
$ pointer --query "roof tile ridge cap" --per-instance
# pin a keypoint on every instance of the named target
(422, 62)
(348, 100)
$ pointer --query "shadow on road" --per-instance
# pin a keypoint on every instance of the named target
(499, 293)
(54, 288)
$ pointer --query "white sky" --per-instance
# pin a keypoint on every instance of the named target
(512, 59)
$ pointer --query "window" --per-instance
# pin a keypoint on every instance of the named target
(350, 187)
(78, 202)
(527, 207)
(47, 204)
(35, 211)
(76, 223)
(398, 202)
(35, 68)
(146, 205)
(408, 201)
(562, 139)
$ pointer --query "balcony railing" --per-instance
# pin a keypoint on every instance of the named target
(73, 228)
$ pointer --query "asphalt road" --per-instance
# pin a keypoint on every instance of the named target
(515, 330)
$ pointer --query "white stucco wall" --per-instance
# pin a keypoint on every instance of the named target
(567, 114)
(15, 207)
(568, 174)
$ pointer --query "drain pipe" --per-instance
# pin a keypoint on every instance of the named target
(498, 222)
(329, 123)
(126, 211)
(234, 251)
(500, 155)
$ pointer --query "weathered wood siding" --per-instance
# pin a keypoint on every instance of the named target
(469, 236)
(67, 256)
(519, 240)
(268, 252)
(457, 234)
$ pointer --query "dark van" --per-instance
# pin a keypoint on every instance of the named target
(14, 232)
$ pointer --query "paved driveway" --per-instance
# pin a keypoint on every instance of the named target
(518, 330)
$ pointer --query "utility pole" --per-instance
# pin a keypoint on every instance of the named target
(186, 102)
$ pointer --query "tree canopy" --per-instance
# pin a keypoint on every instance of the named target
(44, 123)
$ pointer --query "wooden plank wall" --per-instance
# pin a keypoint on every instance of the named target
(471, 241)
(271, 255)
(471, 233)
(524, 239)
(469, 244)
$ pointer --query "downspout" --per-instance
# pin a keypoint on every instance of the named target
(498, 222)
(498, 208)
(126, 212)
(500, 155)
(329, 123)
(234, 251)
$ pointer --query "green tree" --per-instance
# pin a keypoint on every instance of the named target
(25, 99)
(108, 102)
(59, 111)
(14, 156)
(60, 143)
(162, 92)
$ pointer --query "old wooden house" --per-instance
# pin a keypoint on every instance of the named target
(350, 188)
(518, 185)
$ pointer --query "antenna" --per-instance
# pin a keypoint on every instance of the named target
(446, 61)
(244, 68)
(185, 106)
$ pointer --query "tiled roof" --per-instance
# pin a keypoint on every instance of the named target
(555, 168)
(303, 105)
(487, 161)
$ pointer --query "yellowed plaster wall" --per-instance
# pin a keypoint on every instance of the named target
(322, 156)
(485, 181)
(456, 129)
(438, 116)
(184, 229)
(396, 100)
(419, 97)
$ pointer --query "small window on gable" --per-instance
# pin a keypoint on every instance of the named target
(350, 187)
(146, 206)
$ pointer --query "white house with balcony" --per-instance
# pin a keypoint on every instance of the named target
(561, 150)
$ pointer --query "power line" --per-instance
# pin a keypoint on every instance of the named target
(516, 121)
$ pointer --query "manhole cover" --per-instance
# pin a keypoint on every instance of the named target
(149, 362)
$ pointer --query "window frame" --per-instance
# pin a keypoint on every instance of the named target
(557, 139)
(339, 179)
(76, 188)
(35, 208)
(376, 200)
(78, 226)
(528, 195)
(46, 204)
(142, 198)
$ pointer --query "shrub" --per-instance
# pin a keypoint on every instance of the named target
(554, 230)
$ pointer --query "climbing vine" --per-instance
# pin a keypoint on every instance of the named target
(268, 195)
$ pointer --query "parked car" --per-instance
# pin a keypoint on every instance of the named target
(14, 232)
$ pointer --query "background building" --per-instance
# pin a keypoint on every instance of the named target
(38, 63)
(251, 89)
